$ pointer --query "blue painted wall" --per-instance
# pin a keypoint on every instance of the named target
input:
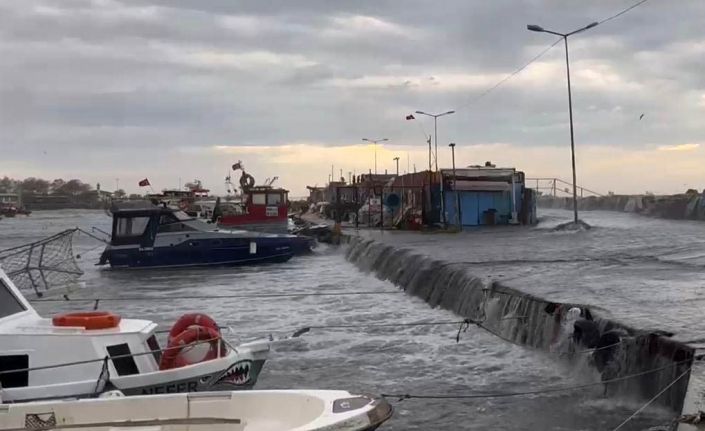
(473, 206)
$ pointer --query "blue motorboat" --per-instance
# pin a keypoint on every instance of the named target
(150, 236)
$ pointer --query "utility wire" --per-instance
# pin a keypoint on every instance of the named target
(639, 3)
(510, 76)
(548, 390)
(661, 392)
(257, 296)
(548, 48)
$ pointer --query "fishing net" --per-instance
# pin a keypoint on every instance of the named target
(42, 264)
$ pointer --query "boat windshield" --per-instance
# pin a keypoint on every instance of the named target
(131, 226)
(173, 222)
(182, 216)
(9, 304)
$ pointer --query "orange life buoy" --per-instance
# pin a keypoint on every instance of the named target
(195, 334)
(191, 319)
(89, 320)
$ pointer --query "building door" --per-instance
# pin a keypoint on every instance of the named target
(469, 207)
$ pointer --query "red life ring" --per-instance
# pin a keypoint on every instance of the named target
(89, 320)
(196, 334)
(191, 319)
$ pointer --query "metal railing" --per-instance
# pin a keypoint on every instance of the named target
(557, 187)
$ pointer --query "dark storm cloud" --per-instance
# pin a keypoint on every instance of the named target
(222, 72)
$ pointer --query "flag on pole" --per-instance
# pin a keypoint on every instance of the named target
(410, 117)
(144, 183)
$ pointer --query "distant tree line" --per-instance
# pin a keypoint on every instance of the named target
(39, 186)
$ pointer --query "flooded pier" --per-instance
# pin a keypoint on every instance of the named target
(515, 280)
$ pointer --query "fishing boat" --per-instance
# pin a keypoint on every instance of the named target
(262, 208)
(274, 410)
(151, 236)
(84, 354)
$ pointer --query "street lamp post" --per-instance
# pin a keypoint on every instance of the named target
(540, 29)
(375, 141)
(435, 133)
(396, 159)
(455, 188)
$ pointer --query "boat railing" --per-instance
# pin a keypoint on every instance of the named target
(106, 358)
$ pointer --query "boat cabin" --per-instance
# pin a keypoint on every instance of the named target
(33, 346)
(268, 198)
(140, 222)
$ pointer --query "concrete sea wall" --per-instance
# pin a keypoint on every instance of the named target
(689, 206)
(535, 322)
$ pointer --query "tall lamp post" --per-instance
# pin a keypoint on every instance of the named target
(396, 159)
(375, 141)
(540, 29)
(435, 130)
(435, 133)
(455, 188)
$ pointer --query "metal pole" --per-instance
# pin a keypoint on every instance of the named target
(375, 145)
(381, 209)
(443, 204)
(455, 189)
(572, 136)
(429, 155)
(396, 159)
(435, 132)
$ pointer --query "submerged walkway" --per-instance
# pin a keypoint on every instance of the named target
(646, 273)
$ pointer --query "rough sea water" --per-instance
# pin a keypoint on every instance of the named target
(395, 359)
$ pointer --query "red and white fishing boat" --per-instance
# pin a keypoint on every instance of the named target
(262, 208)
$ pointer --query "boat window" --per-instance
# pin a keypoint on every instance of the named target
(258, 199)
(182, 216)
(19, 379)
(131, 226)
(9, 304)
(274, 199)
(153, 345)
(168, 218)
(124, 364)
(171, 223)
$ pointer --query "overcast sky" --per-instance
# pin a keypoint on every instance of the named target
(169, 89)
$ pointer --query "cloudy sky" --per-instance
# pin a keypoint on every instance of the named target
(170, 89)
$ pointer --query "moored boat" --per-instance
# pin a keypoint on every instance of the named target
(84, 354)
(274, 410)
(149, 236)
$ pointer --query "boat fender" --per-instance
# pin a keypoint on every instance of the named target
(606, 349)
(586, 333)
(171, 357)
(191, 319)
(90, 320)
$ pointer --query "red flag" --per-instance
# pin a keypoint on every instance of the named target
(410, 117)
(144, 183)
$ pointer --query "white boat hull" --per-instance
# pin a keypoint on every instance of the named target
(295, 410)
(236, 371)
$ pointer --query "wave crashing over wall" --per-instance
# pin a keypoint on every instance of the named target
(614, 350)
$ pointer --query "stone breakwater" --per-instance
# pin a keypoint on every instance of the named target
(689, 206)
(610, 348)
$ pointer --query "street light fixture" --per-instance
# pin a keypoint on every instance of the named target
(435, 133)
(375, 141)
(396, 159)
(538, 28)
